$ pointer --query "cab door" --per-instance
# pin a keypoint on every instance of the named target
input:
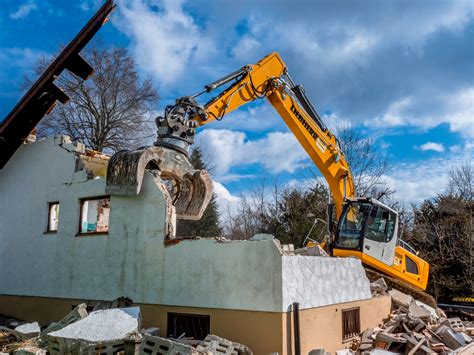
(375, 233)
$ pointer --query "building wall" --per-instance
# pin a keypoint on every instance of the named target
(263, 332)
(132, 259)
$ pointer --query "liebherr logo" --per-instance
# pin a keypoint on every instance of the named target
(310, 130)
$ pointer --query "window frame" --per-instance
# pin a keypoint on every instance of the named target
(204, 317)
(48, 230)
(81, 202)
(349, 334)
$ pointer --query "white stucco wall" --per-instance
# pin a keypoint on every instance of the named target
(132, 260)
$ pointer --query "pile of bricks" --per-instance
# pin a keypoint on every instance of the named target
(415, 328)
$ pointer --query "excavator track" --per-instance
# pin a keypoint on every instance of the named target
(416, 293)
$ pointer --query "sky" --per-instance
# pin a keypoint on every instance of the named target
(400, 72)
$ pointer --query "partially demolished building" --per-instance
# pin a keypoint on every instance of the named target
(65, 240)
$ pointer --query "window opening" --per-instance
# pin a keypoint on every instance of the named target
(95, 215)
(411, 266)
(195, 326)
(350, 323)
(53, 217)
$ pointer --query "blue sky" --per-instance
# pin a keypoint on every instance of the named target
(401, 72)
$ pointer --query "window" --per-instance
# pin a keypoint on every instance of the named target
(53, 217)
(95, 214)
(376, 224)
(195, 326)
(351, 225)
(411, 266)
(350, 323)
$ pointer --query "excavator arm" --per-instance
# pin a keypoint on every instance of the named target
(268, 79)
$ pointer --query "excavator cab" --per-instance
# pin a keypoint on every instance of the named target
(367, 225)
(368, 230)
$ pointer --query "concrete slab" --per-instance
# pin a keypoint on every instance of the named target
(29, 328)
(103, 326)
(400, 298)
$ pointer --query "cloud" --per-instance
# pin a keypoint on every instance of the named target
(165, 40)
(24, 10)
(437, 147)
(455, 109)
(276, 152)
(225, 200)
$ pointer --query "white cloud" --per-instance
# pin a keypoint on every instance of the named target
(437, 147)
(460, 113)
(245, 47)
(276, 152)
(455, 109)
(164, 42)
(226, 202)
(24, 10)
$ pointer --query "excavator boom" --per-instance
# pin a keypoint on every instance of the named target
(268, 79)
(366, 229)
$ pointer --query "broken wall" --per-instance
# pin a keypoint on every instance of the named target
(132, 259)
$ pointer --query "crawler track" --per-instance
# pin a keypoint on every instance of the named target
(416, 293)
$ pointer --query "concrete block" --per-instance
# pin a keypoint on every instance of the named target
(217, 345)
(417, 311)
(455, 323)
(32, 329)
(400, 298)
(103, 326)
(450, 337)
(156, 345)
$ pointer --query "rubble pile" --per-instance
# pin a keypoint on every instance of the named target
(415, 328)
(106, 330)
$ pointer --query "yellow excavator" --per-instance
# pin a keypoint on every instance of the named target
(365, 228)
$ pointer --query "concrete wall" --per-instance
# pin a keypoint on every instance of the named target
(132, 259)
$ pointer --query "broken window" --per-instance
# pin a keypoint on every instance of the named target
(350, 323)
(53, 217)
(95, 214)
(195, 326)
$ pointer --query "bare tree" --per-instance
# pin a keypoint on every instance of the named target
(461, 181)
(109, 111)
(368, 165)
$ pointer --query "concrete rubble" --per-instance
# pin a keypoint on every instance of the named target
(109, 330)
(414, 328)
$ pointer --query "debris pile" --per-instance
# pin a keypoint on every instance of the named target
(414, 328)
(106, 330)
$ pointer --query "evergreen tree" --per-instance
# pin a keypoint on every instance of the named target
(208, 226)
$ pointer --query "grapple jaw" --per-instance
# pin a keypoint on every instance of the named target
(190, 190)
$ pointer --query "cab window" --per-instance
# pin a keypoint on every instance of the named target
(351, 226)
(377, 224)
(380, 225)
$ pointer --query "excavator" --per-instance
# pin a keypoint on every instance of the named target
(364, 228)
